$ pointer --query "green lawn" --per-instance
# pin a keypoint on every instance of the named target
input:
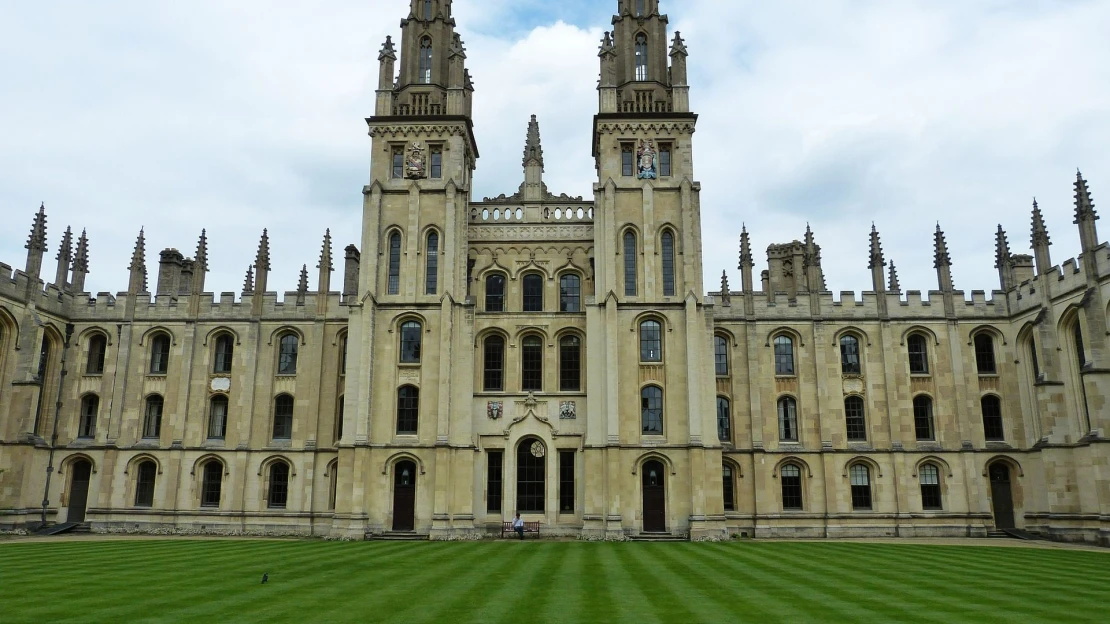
(535, 582)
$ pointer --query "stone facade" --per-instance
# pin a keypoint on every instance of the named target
(555, 355)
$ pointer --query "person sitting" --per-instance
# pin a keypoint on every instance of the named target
(518, 526)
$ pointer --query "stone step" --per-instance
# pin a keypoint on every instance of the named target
(397, 536)
(658, 537)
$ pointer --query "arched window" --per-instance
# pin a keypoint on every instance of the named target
(408, 410)
(668, 264)
(428, 9)
(339, 419)
(160, 355)
(495, 292)
(530, 482)
(570, 293)
(923, 418)
(225, 349)
(98, 344)
(720, 356)
(493, 373)
(394, 285)
(629, 264)
(992, 419)
(217, 417)
(533, 292)
(854, 419)
(431, 273)
(1033, 359)
(849, 355)
(343, 354)
(90, 407)
(212, 484)
(570, 364)
(651, 341)
(278, 496)
(788, 419)
(729, 485)
(791, 477)
(1080, 353)
(531, 364)
(641, 57)
(639, 8)
(425, 61)
(651, 410)
(860, 476)
(411, 335)
(930, 487)
(152, 419)
(784, 355)
(283, 417)
(724, 420)
(144, 484)
(919, 355)
(287, 354)
(984, 354)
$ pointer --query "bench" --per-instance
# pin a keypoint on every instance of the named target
(532, 528)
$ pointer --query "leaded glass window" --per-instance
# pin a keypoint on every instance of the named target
(651, 341)
(279, 485)
(287, 354)
(411, 336)
(570, 364)
(984, 354)
(531, 364)
(720, 356)
(668, 264)
(651, 410)
(217, 417)
(394, 263)
(530, 473)
(570, 293)
(493, 375)
(495, 292)
(849, 355)
(533, 292)
(993, 428)
(919, 355)
(930, 487)
(629, 264)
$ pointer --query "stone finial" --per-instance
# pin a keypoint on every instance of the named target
(1085, 215)
(387, 51)
(262, 259)
(1040, 231)
(302, 285)
(138, 265)
(201, 260)
(678, 46)
(533, 150)
(81, 263)
(248, 283)
(726, 294)
(607, 48)
(65, 258)
(894, 285)
(325, 253)
(941, 255)
(877, 259)
(457, 48)
(746, 259)
(37, 240)
(1002, 255)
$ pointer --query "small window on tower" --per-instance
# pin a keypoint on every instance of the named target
(437, 162)
(626, 159)
(428, 9)
(640, 8)
(641, 57)
(398, 163)
(425, 61)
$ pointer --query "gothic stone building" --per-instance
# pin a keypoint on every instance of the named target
(556, 355)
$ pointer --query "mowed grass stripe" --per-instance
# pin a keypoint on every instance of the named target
(656, 588)
(600, 602)
(517, 572)
(679, 581)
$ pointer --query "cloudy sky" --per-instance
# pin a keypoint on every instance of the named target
(244, 114)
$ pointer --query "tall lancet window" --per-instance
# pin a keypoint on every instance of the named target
(426, 60)
(431, 278)
(394, 286)
(640, 8)
(428, 9)
(641, 56)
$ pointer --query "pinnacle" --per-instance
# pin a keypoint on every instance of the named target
(37, 240)
(262, 260)
(65, 249)
(325, 253)
(387, 49)
(302, 285)
(533, 150)
(202, 251)
(678, 46)
(942, 256)
(876, 249)
(894, 286)
(248, 283)
(1002, 249)
(81, 258)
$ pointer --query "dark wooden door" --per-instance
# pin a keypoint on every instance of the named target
(404, 496)
(655, 498)
(80, 474)
(1002, 496)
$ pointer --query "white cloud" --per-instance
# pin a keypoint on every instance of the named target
(239, 116)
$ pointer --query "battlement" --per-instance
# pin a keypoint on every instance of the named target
(852, 306)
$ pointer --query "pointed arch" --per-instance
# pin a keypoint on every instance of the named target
(986, 329)
(287, 329)
(157, 329)
(75, 457)
(7, 319)
(87, 334)
(863, 459)
(791, 459)
(1006, 459)
(265, 464)
(387, 466)
(656, 456)
(140, 458)
(203, 460)
(223, 329)
(931, 459)
(920, 329)
(851, 329)
(737, 469)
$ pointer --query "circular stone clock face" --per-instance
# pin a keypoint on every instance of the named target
(537, 449)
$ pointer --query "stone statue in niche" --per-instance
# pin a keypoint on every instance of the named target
(494, 409)
(647, 159)
(415, 163)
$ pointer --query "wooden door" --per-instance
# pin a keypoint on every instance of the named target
(655, 498)
(81, 472)
(1002, 496)
(404, 496)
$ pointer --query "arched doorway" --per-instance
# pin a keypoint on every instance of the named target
(1002, 496)
(404, 496)
(655, 498)
(80, 473)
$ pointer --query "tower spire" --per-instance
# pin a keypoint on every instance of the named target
(943, 261)
(1040, 240)
(533, 189)
(137, 282)
(65, 258)
(36, 244)
(1085, 215)
(1003, 259)
(80, 264)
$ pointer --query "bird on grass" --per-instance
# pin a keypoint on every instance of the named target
(265, 578)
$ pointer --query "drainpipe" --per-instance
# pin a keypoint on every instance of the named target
(57, 414)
